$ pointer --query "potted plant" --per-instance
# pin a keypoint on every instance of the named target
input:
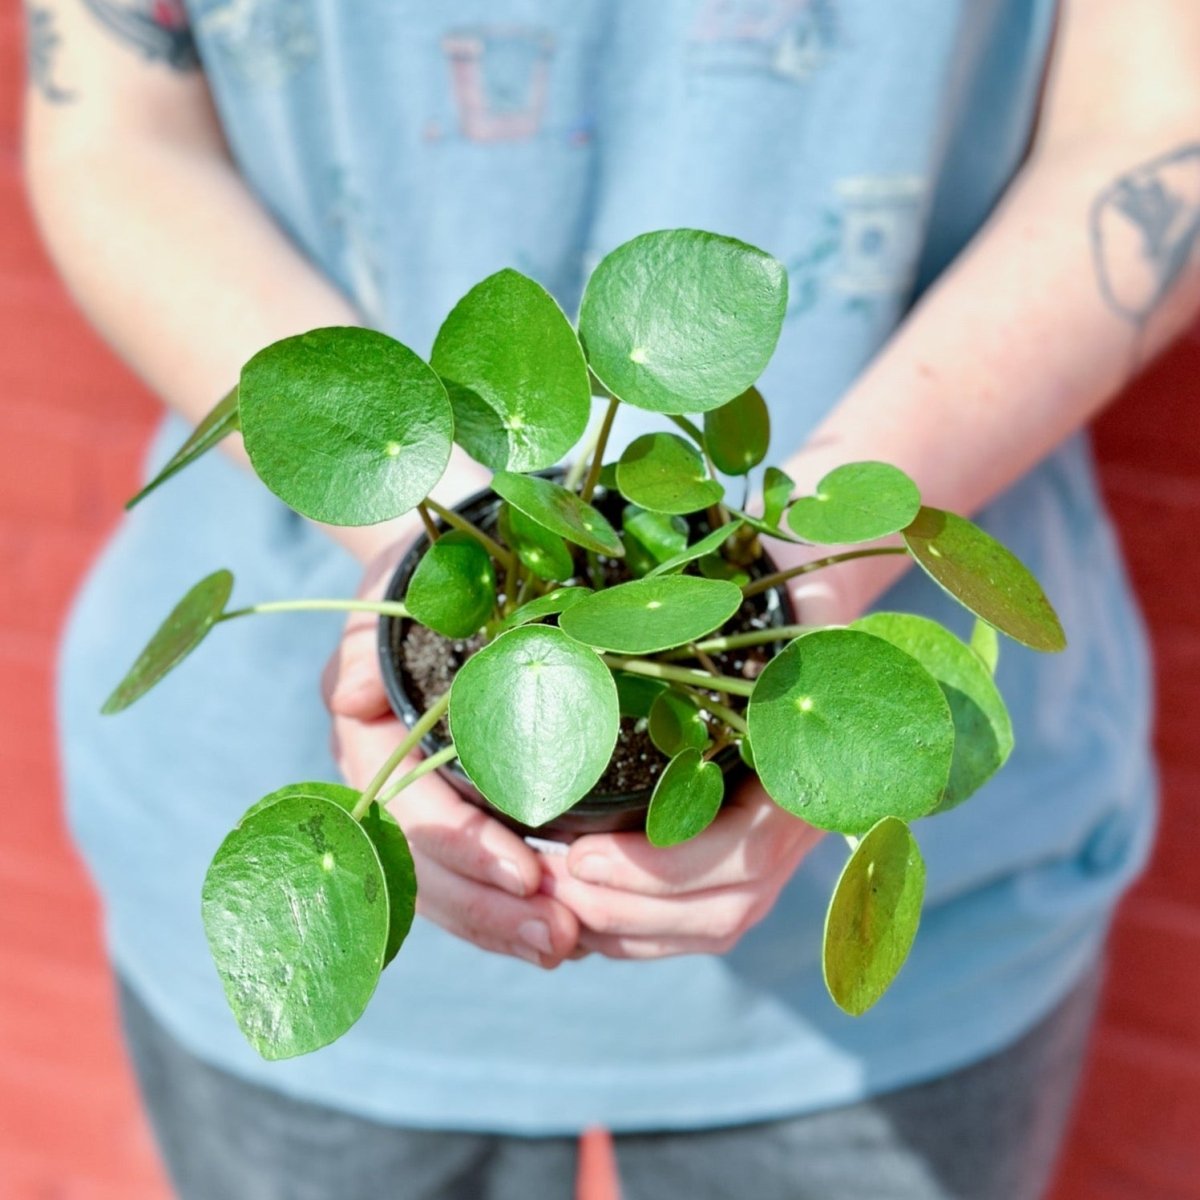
(586, 649)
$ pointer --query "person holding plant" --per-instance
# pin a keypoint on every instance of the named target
(988, 216)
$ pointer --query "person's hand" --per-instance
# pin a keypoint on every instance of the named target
(475, 877)
(635, 901)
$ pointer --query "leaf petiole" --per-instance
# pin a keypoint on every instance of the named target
(429, 719)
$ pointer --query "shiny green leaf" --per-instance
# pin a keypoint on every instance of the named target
(983, 736)
(856, 502)
(681, 321)
(186, 626)
(515, 374)
(848, 729)
(686, 799)
(295, 908)
(346, 425)
(652, 614)
(534, 717)
(453, 589)
(543, 552)
(548, 605)
(662, 472)
(560, 511)
(216, 425)
(390, 844)
(676, 723)
(984, 577)
(738, 433)
(873, 916)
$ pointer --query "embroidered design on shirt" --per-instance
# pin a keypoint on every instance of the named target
(262, 42)
(500, 76)
(880, 234)
(783, 39)
(159, 28)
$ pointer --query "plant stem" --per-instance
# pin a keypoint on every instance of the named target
(755, 637)
(690, 429)
(589, 484)
(429, 719)
(431, 531)
(732, 719)
(699, 679)
(582, 460)
(424, 767)
(385, 608)
(717, 746)
(770, 581)
(497, 551)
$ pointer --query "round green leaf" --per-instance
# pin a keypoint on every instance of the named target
(543, 552)
(515, 373)
(681, 321)
(662, 472)
(983, 736)
(652, 614)
(650, 538)
(534, 717)
(548, 605)
(390, 845)
(686, 799)
(453, 589)
(558, 510)
(347, 426)
(185, 628)
(295, 907)
(713, 566)
(710, 543)
(746, 752)
(848, 729)
(984, 577)
(636, 693)
(873, 916)
(857, 502)
(738, 433)
(676, 724)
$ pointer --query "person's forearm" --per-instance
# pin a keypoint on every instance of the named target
(181, 269)
(1021, 342)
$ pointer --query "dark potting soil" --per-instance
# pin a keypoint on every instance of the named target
(427, 663)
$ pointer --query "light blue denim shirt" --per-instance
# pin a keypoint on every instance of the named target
(410, 149)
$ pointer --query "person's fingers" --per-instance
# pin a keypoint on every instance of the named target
(537, 929)
(641, 948)
(463, 838)
(351, 683)
(712, 919)
(751, 838)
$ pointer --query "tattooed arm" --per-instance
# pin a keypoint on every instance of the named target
(149, 221)
(1087, 267)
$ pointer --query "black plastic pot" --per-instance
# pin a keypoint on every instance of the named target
(596, 812)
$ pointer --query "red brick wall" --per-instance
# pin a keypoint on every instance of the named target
(72, 426)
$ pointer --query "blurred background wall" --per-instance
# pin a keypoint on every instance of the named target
(73, 424)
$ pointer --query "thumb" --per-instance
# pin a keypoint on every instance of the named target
(351, 682)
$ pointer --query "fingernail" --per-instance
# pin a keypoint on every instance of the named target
(537, 935)
(530, 956)
(593, 868)
(506, 875)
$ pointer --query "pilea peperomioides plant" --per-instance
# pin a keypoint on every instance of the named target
(581, 624)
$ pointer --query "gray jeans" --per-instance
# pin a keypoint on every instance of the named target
(988, 1132)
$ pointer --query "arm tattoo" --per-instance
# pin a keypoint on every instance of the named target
(42, 42)
(1144, 226)
(159, 28)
